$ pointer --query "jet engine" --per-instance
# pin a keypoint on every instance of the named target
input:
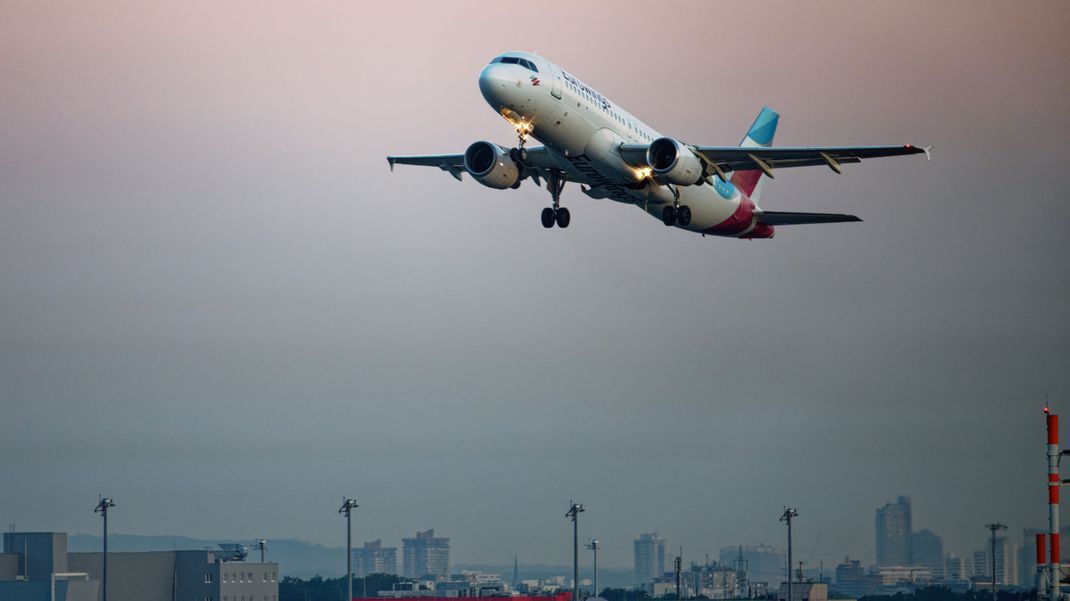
(673, 162)
(492, 166)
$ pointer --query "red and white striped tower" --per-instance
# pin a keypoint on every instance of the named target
(1042, 561)
(1053, 504)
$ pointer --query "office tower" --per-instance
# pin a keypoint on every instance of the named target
(928, 551)
(649, 557)
(894, 534)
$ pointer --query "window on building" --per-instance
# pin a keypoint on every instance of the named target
(250, 576)
(241, 577)
(208, 578)
(265, 576)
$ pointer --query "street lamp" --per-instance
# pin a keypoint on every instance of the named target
(994, 527)
(593, 546)
(347, 507)
(789, 513)
(573, 512)
(102, 508)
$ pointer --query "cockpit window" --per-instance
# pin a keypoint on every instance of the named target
(513, 60)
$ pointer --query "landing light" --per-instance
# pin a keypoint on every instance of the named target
(643, 173)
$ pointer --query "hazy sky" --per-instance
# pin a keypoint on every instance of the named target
(218, 306)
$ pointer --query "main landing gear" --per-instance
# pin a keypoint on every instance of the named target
(677, 214)
(557, 213)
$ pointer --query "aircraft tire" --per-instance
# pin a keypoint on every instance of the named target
(668, 216)
(548, 218)
(683, 215)
(563, 218)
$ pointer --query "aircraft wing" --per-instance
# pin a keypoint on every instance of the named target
(454, 163)
(735, 158)
(450, 163)
(786, 218)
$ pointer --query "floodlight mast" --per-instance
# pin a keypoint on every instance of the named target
(789, 513)
(347, 507)
(994, 527)
(593, 546)
(102, 508)
(574, 511)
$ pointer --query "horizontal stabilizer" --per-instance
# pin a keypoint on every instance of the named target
(785, 218)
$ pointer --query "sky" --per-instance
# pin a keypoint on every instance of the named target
(219, 307)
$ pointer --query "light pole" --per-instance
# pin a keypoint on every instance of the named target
(994, 527)
(102, 508)
(574, 512)
(789, 512)
(593, 546)
(346, 509)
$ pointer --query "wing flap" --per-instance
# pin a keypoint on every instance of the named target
(787, 218)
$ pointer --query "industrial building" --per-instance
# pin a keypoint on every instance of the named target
(32, 563)
(426, 555)
(33, 567)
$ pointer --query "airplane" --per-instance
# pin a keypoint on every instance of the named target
(712, 190)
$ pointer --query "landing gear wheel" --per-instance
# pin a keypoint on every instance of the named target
(548, 218)
(563, 218)
(683, 215)
(668, 216)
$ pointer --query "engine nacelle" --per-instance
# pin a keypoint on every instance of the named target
(491, 165)
(673, 162)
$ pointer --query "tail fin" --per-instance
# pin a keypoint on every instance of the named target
(760, 134)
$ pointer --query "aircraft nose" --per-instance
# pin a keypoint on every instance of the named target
(495, 84)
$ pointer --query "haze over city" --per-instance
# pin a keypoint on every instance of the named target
(219, 307)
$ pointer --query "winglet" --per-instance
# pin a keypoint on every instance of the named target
(928, 150)
(391, 161)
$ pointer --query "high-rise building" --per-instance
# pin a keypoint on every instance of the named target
(956, 568)
(649, 558)
(374, 558)
(981, 567)
(1006, 563)
(894, 534)
(928, 551)
(426, 555)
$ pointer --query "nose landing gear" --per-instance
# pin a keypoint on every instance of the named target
(558, 214)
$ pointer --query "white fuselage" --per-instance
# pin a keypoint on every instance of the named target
(582, 132)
